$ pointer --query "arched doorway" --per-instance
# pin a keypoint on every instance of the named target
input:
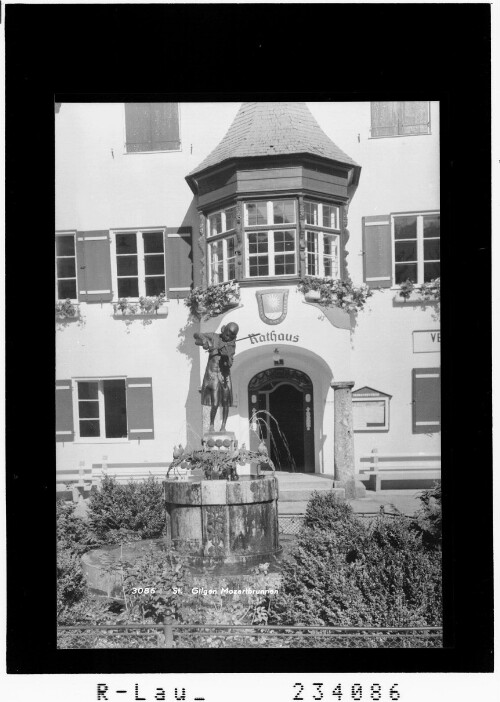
(281, 405)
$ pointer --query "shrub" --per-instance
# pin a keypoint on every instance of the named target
(117, 510)
(429, 516)
(71, 586)
(343, 573)
(73, 532)
(325, 512)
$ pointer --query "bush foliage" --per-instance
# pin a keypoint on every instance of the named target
(342, 572)
(117, 510)
(429, 517)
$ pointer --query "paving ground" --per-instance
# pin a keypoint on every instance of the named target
(296, 489)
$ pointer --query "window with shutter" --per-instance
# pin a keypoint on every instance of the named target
(152, 126)
(101, 409)
(66, 267)
(377, 251)
(140, 408)
(389, 119)
(64, 411)
(416, 247)
(93, 260)
(138, 262)
(426, 400)
(179, 261)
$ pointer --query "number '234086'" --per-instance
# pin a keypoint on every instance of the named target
(352, 692)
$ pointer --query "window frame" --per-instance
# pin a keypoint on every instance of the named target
(141, 268)
(394, 136)
(154, 151)
(320, 253)
(102, 417)
(271, 254)
(225, 259)
(58, 235)
(420, 243)
(320, 204)
(270, 213)
(224, 231)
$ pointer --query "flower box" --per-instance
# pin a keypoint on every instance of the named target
(329, 292)
(149, 307)
(213, 300)
(67, 310)
(312, 296)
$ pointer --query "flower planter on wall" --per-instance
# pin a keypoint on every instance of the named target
(141, 314)
(312, 296)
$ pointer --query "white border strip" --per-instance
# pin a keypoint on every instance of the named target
(93, 238)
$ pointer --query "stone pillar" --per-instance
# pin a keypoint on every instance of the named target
(344, 441)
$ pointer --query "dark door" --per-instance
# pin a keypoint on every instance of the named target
(286, 405)
(280, 408)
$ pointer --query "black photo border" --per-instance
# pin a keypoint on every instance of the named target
(94, 53)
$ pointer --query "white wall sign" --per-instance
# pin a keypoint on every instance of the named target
(427, 341)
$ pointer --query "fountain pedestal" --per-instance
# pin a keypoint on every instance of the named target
(223, 521)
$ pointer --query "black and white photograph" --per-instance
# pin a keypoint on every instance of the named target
(268, 434)
(248, 374)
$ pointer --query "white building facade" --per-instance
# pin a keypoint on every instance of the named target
(158, 198)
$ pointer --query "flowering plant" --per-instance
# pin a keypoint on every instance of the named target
(337, 293)
(213, 300)
(219, 463)
(65, 308)
(146, 305)
(428, 292)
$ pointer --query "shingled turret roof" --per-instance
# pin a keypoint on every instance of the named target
(271, 129)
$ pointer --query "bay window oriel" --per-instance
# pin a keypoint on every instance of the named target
(270, 243)
(222, 250)
(322, 247)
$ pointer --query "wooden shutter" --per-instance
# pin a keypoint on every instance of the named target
(93, 259)
(140, 408)
(414, 118)
(165, 126)
(138, 126)
(179, 261)
(65, 430)
(377, 251)
(426, 400)
(384, 118)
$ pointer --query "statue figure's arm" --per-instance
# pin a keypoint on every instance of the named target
(205, 340)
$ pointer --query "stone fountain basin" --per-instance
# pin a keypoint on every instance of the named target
(102, 580)
(222, 520)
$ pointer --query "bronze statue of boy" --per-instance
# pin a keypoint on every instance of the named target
(217, 388)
